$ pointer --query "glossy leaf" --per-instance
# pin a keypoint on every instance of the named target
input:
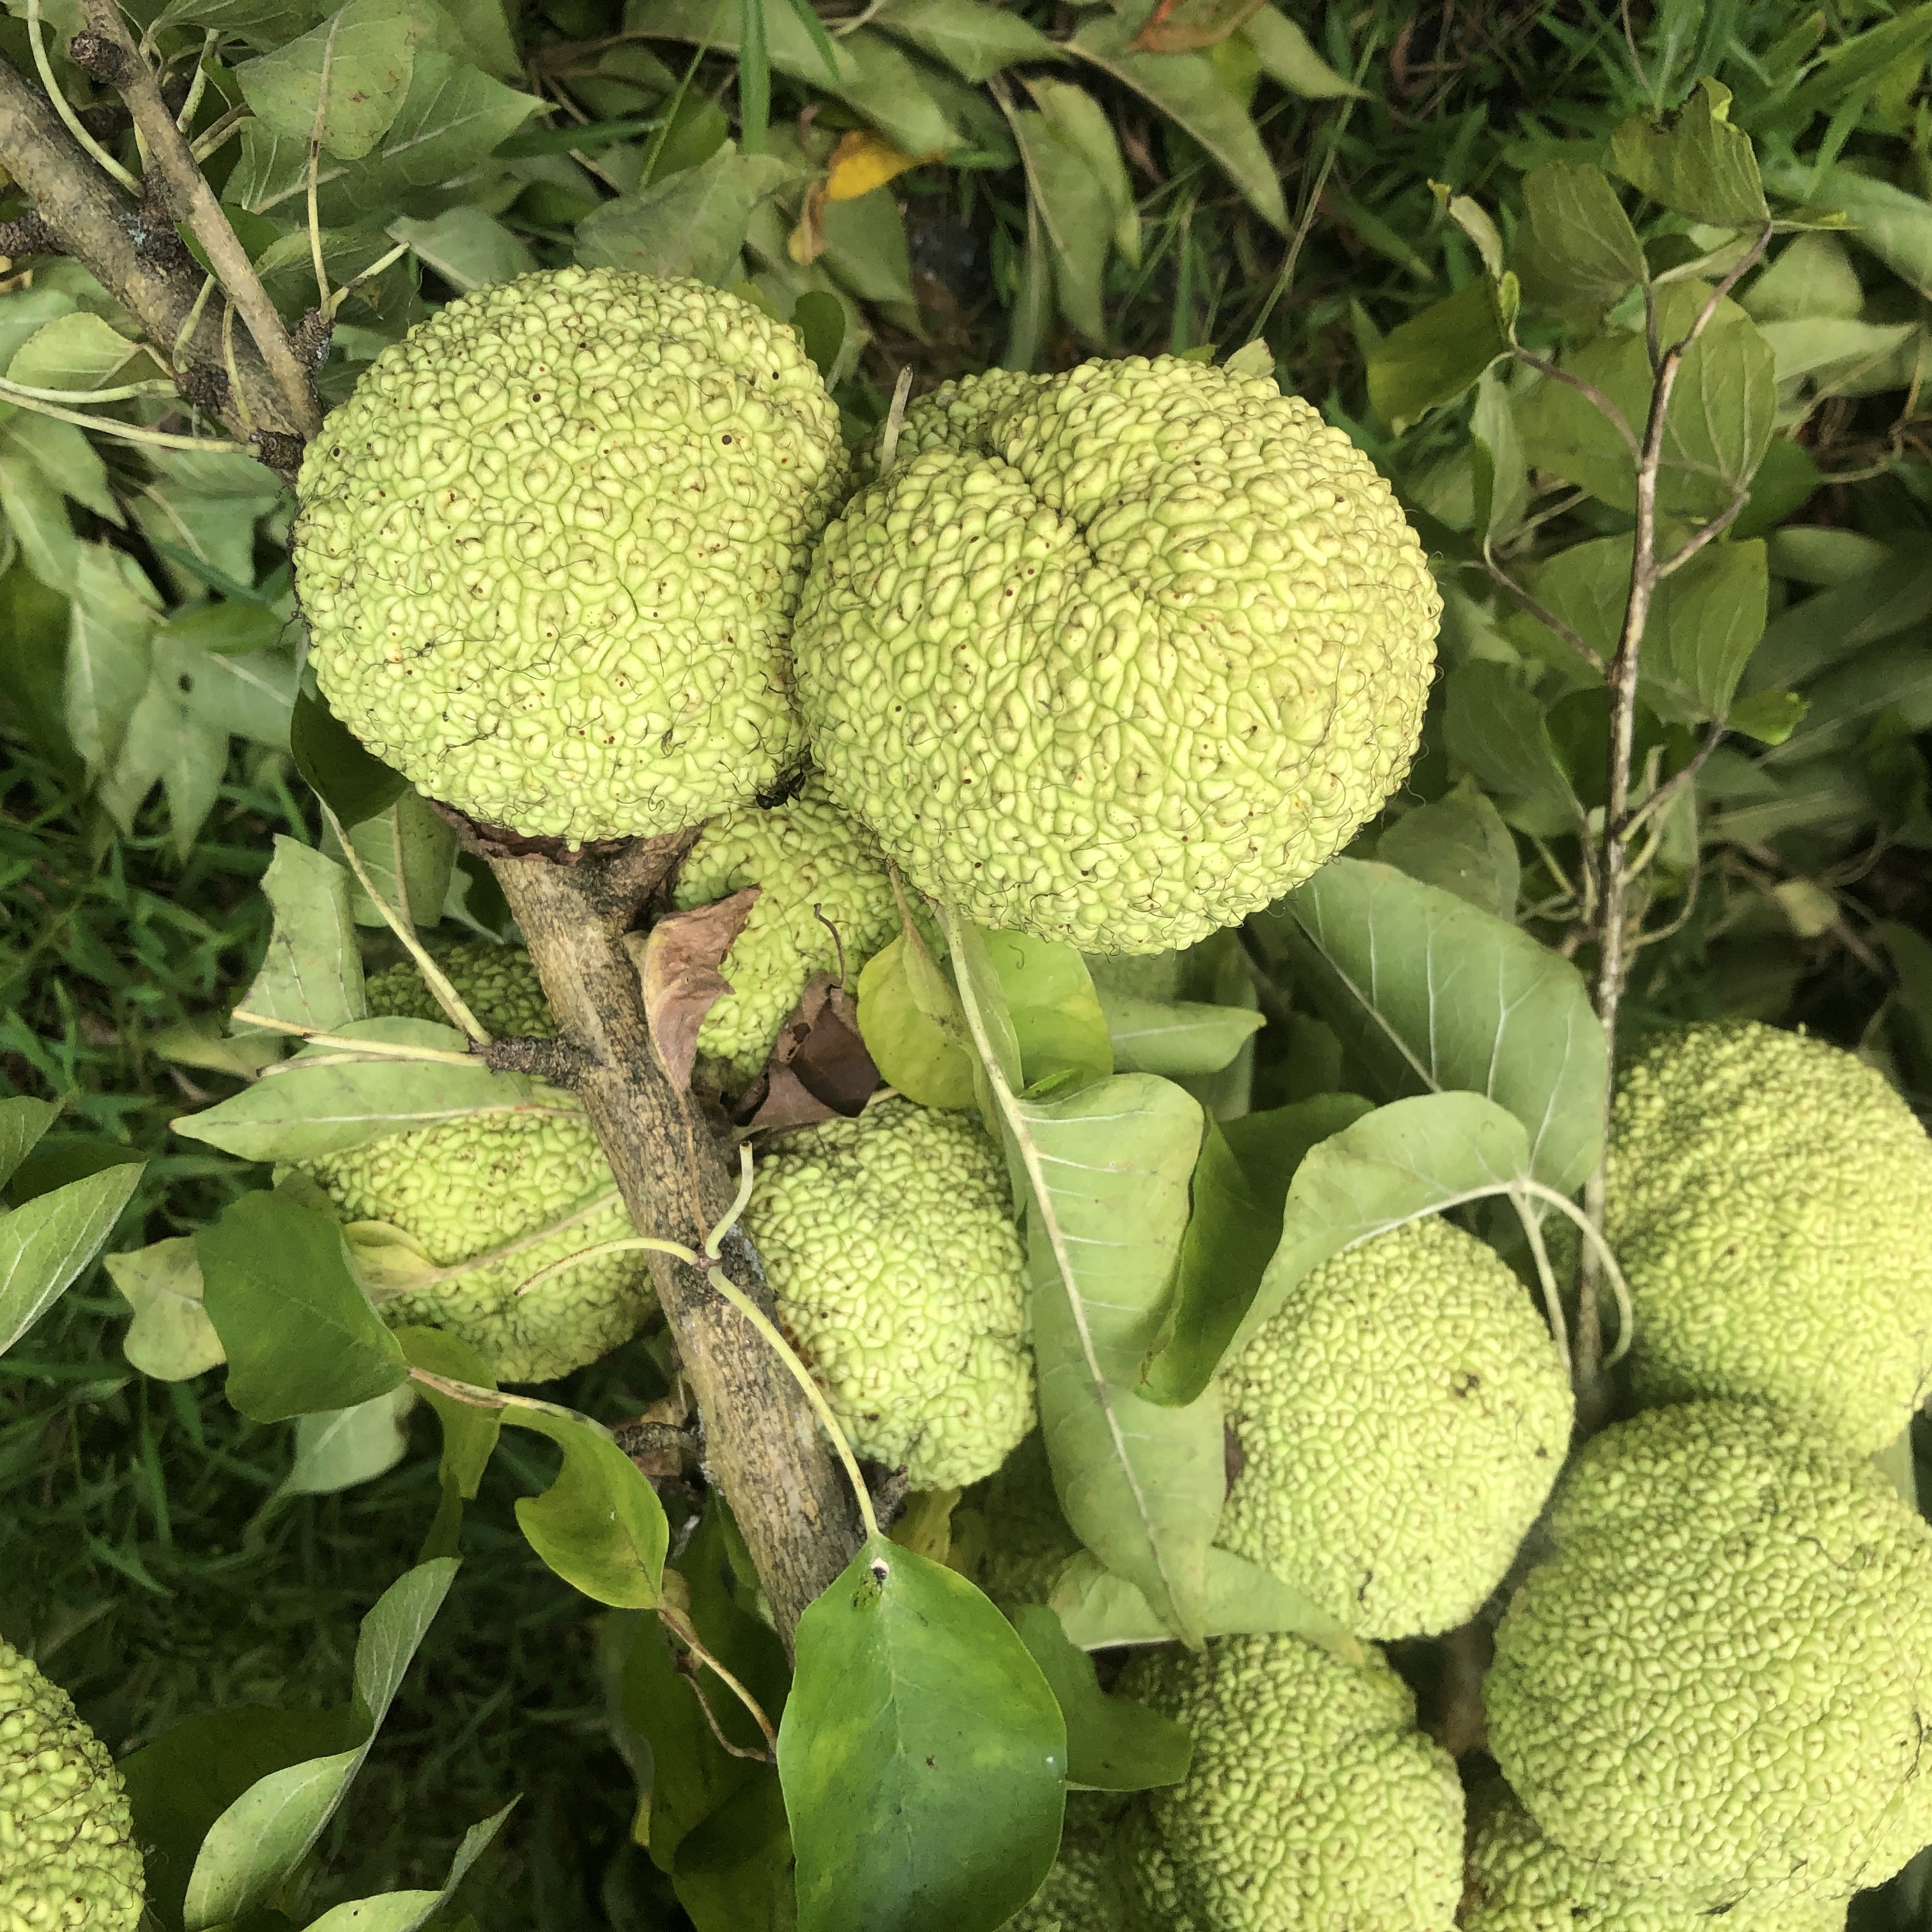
(1113, 1744)
(23, 1121)
(1576, 249)
(342, 82)
(922, 1754)
(266, 1832)
(353, 783)
(909, 1018)
(1240, 1181)
(1175, 1037)
(1410, 1158)
(599, 1526)
(973, 38)
(297, 1332)
(1433, 995)
(692, 223)
(338, 1448)
(1460, 843)
(1105, 1172)
(405, 1911)
(1435, 356)
(1185, 88)
(1498, 728)
(46, 1244)
(311, 975)
(320, 1103)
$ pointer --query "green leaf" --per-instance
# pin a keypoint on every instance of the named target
(337, 1448)
(1575, 249)
(405, 1911)
(469, 1431)
(1106, 1174)
(453, 115)
(1887, 221)
(1434, 357)
(1074, 215)
(1183, 1036)
(973, 39)
(1700, 166)
(1240, 1182)
(1821, 347)
(1186, 88)
(74, 351)
(46, 1244)
(311, 975)
(863, 68)
(23, 1121)
(1410, 1158)
(1058, 1024)
(33, 625)
(734, 1871)
(317, 1103)
(820, 319)
(467, 246)
(354, 783)
(1461, 844)
(1098, 1609)
(170, 1337)
(1811, 636)
(36, 512)
(343, 83)
(1289, 60)
(692, 224)
(910, 1019)
(1497, 727)
(1717, 428)
(180, 1784)
(1085, 131)
(1432, 995)
(108, 654)
(1769, 716)
(1113, 1744)
(266, 1832)
(298, 1331)
(409, 852)
(922, 1753)
(1845, 704)
(599, 1526)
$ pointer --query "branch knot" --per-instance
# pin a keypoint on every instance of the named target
(555, 1060)
(101, 58)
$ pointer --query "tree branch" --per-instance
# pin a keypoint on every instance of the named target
(82, 214)
(118, 63)
(762, 1445)
(1614, 940)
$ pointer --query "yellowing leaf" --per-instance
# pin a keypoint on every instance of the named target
(864, 160)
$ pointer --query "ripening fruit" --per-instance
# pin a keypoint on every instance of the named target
(824, 905)
(1401, 1419)
(1118, 656)
(485, 1182)
(1718, 1681)
(1312, 1803)
(549, 549)
(1770, 1202)
(68, 1862)
(889, 1244)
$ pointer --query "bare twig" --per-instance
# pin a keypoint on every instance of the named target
(1611, 414)
(188, 188)
(1612, 921)
(1542, 613)
(86, 216)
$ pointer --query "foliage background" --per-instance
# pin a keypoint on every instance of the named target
(1249, 177)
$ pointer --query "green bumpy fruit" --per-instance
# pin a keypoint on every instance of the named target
(1118, 656)
(499, 984)
(1518, 1881)
(1717, 1683)
(68, 1861)
(1770, 1198)
(1312, 1803)
(549, 549)
(467, 1189)
(824, 905)
(889, 1242)
(1402, 1417)
(1027, 1539)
